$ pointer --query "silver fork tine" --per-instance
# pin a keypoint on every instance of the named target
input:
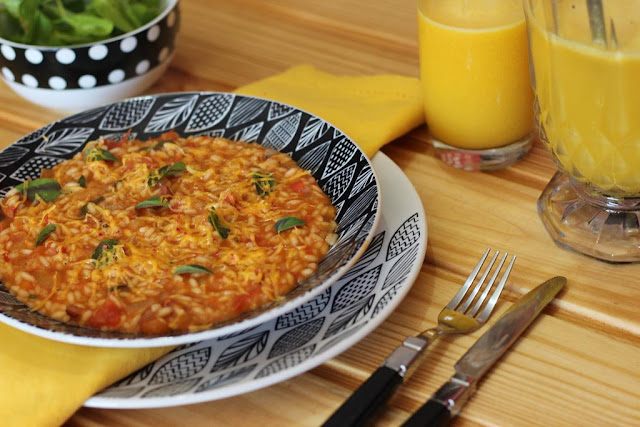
(470, 298)
(486, 312)
(487, 288)
(463, 290)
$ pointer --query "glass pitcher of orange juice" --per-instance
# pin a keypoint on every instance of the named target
(474, 69)
(586, 77)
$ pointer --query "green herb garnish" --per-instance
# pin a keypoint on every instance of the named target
(288, 222)
(168, 170)
(263, 182)
(192, 269)
(46, 188)
(214, 220)
(67, 22)
(85, 208)
(94, 154)
(119, 288)
(154, 202)
(82, 182)
(105, 252)
(45, 232)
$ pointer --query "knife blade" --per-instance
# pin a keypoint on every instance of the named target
(451, 397)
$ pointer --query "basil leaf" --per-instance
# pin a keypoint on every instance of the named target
(85, 208)
(45, 232)
(168, 170)
(192, 269)
(48, 189)
(263, 182)
(94, 154)
(217, 224)
(153, 202)
(82, 182)
(288, 222)
(104, 246)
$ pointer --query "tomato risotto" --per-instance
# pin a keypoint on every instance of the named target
(166, 235)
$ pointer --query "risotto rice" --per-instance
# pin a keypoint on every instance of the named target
(161, 236)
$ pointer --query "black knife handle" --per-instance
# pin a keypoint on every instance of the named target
(432, 413)
(367, 399)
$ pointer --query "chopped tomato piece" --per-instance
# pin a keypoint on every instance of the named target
(169, 136)
(108, 314)
(298, 186)
(113, 144)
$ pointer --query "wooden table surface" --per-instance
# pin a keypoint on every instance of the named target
(580, 361)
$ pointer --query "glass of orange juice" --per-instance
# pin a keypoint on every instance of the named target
(474, 68)
(586, 77)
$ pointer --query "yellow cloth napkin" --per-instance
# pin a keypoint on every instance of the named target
(44, 382)
(371, 110)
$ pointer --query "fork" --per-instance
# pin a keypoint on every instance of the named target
(460, 316)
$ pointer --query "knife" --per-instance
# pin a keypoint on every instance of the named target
(451, 397)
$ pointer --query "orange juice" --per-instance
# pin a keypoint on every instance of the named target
(475, 72)
(589, 96)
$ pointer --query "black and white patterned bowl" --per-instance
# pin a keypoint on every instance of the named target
(342, 170)
(79, 77)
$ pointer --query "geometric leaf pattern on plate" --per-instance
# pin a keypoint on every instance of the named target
(339, 157)
(363, 203)
(282, 133)
(287, 361)
(368, 257)
(32, 167)
(245, 110)
(340, 329)
(210, 112)
(356, 289)
(226, 378)
(86, 116)
(64, 141)
(386, 298)
(312, 131)
(136, 377)
(12, 154)
(241, 351)
(338, 183)
(250, 133)
(401, 268)
(364, 179)
(182, 367)
(306, 311)
(312, 160)
(34, 136)
(404, 237)
(328, 343)
(297, 337)
(350, 316)
(172, 114)
(126, 114)
(277, 110)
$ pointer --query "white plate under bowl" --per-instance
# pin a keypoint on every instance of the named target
(304, 337)
(341, 169)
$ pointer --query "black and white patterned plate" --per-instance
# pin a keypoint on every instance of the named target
(304, 337)
(343, 171)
